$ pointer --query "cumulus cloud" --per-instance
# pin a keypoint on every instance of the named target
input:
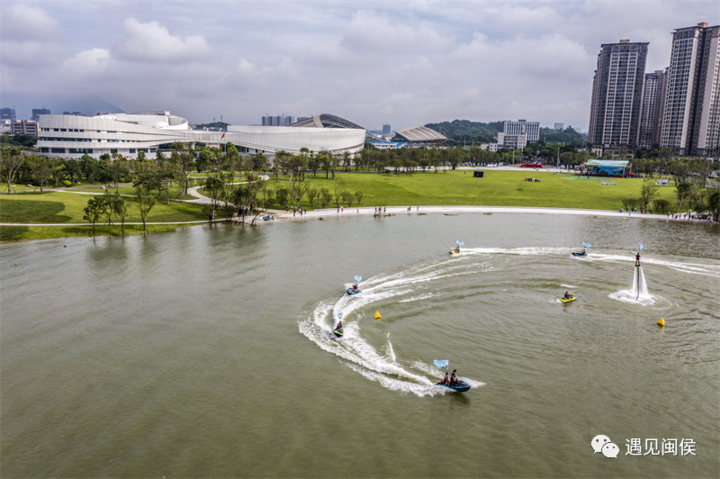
(88, 59)
(403, 63)
(152, 42)
(23, 22)
(31, 55)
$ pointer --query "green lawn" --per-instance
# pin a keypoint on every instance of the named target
(497, 188)
(68, 208)
(17, 233)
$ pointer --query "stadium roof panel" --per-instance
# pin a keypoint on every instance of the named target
(420, 133)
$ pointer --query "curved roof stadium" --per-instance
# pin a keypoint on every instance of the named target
(326, 120)
(128, 134)
(421, 134)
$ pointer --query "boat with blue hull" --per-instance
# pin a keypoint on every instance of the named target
(460, 387)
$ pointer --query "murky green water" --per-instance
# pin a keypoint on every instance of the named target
(208, 353)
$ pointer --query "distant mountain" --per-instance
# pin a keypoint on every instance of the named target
(89, 105)
(466, 127)
(466, 131)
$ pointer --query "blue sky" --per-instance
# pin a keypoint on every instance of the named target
(403, 63)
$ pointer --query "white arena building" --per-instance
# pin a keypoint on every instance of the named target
(127, 134)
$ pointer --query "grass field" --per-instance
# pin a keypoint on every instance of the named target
(68, 208)
(497, 188)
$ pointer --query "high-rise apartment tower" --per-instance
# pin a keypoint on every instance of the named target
(617, 95)
(36, 112)
(691, 122)
(653, 106)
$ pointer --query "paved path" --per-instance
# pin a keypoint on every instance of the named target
(403, 210)
(204, 200)
(459, 210)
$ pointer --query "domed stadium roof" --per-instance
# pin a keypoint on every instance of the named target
(326, 120)
(421, 134)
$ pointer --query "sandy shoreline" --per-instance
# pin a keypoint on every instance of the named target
(459, 210)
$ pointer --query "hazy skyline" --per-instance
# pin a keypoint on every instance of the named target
(403, 63)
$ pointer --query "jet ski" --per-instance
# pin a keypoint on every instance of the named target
(579, 253)
(338, 332)
(567, 300)
(459, 387)
(351, 292)
(452, 251)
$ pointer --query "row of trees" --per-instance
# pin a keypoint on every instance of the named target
(698, 198)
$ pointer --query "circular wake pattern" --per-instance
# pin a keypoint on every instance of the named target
(468, 279)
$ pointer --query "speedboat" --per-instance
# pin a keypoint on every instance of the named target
(459, 387)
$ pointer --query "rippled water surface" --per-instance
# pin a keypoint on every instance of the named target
(209, 352)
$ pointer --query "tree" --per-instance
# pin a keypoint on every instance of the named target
(108, 206)
(215, 188)
(259, 162)
(340, 186)
(662, 205)
(282, 197)
(10, 162)
(43, 169)
(146, 201)
(94, 209)
(312, 193)
(120, 209)
(232, 159)
(141, 155)
(297, 189)
(347, 198)
(151, 180)
(648, 191)
(456, 156)
(325, 197)
(72, 167)
(682, 191)
(204, 159)
(359, 196)
(713, 203)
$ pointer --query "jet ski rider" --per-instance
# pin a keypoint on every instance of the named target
(567, 295)
(339, 326)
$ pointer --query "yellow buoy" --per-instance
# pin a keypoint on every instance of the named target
(377, 315)
(661, 323)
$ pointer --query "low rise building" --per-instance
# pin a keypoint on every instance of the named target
(128, 134)
(489, 146)
(25, 127)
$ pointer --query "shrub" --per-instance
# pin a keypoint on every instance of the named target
(661, 206)
(67, 183)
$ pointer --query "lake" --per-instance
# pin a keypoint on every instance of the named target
(208, 352)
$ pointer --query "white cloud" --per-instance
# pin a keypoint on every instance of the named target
(31, 55)
(402, 63)
(88, 59)
(23, 22)
(151, 42)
